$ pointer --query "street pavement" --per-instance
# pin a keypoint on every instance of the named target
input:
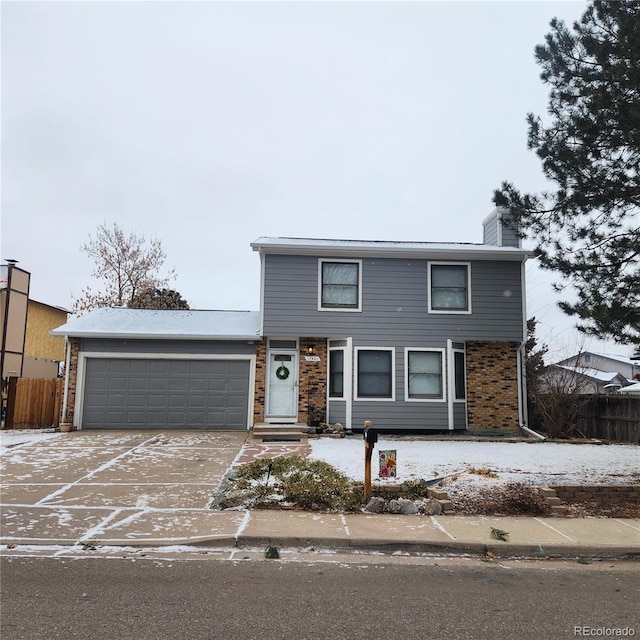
(153, 488)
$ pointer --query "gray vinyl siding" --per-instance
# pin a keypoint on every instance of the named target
(497, 231)
(402, 416)
(510, 237)
(394, 314)
(394, 303)
(490, 231)
(337, 411)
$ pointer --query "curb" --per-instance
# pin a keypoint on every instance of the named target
(388, 546)
(524, 550)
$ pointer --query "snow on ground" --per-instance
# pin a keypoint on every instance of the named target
(537, 463)
(10, 438)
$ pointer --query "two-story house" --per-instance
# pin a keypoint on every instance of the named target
(410, 335)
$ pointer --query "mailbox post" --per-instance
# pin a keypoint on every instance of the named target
(370, 436)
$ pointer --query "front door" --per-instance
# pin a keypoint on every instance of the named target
(282, 392)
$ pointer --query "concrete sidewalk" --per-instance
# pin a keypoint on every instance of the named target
(146, 489)
(527, 537)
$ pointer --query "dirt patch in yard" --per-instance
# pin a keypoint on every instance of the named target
(604, 509)
(518, 499)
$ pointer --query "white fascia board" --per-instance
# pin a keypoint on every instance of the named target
(416, 251)
(150, 336)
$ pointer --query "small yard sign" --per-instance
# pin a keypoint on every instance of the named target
(388, 464)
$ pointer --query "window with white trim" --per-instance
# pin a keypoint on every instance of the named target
(459, 375)
(336, 373)
(375, 376)
(424, 374)
(449, 289)
(339, 285)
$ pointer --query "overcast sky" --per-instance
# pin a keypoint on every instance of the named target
(209, 124)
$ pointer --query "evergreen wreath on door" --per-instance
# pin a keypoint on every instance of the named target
(282, 373)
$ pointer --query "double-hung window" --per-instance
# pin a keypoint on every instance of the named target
(340, 285)
(449, 289)
(375, 377)
(424, 374)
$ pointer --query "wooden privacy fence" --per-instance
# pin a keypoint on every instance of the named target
(611, 418)
(34, 403)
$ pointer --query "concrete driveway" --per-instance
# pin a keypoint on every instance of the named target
(140, 487)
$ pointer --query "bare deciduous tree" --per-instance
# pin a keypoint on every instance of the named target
(126, 265)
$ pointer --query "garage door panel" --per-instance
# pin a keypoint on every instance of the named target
(198, 387)
(119, 367)
(158, 384)
(236, 367)
(156, 401)
(218, 384)
(235, 402)
(176, 401)
(139, 384)
(147, 393)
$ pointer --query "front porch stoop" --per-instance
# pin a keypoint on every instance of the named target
(279, 432)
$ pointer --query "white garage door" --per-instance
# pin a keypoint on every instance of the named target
(122, 393)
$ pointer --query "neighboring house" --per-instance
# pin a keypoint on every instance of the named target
(583, 381)
(14, 297)
(411, 335)
(27, 348)
(632, 389)
(626, 367)
(43, 353)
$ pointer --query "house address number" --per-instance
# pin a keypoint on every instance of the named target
(312, 358)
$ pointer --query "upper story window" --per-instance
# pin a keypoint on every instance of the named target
(449, 288)
(339, 285)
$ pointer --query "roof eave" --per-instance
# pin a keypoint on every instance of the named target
(480, 253)
(149, 336)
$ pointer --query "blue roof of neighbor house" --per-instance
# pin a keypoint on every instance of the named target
(120, 322)
(409, 249)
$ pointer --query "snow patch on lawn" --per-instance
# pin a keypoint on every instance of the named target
(536, 463)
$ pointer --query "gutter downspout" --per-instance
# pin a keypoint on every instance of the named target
(522, 376)
(450, 384)
(348, 384)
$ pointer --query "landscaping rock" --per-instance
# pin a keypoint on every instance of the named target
(375, 505)
(232, 499)
(431, 507)
(407, 507)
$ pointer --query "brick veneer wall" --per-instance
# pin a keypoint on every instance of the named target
(73, 380)
(260, 394)
(313, 379)
(492, 385)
